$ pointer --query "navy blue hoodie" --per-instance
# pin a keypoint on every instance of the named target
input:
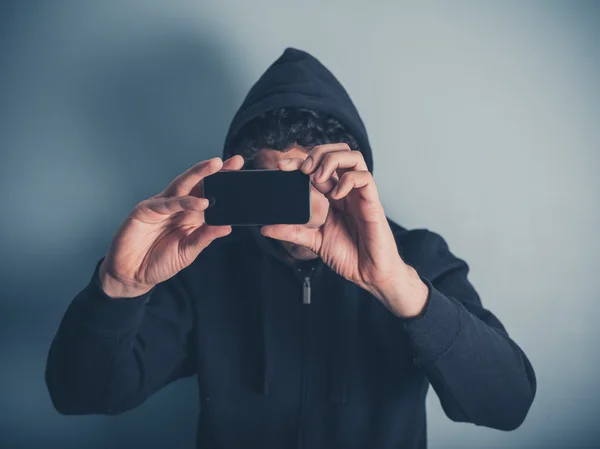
(275, 372)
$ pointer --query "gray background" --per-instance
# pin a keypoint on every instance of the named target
(484, 122)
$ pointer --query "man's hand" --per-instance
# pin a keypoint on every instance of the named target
(163, 234)
(356, 240)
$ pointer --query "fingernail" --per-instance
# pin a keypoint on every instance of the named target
(307, 163)
(285, 161)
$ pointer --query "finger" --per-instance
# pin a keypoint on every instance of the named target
(359, 180)
(339, 161)
(313, 160)
(324, 187)
(187, 219)
(290, 164)
(201, 237)
(298, 234)
(185, 182)
(161, 207)
(233, 163)
(294, 163)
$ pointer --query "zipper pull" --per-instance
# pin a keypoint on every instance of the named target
(306, 291)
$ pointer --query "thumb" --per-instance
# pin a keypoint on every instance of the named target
(298, 234)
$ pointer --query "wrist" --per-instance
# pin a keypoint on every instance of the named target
(405, 295)
(115, 288)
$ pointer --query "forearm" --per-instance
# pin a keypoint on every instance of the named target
(479, 373)
(93, 345)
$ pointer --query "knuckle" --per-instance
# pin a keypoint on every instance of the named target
(140, 208)
(364, 176)
(357, 156)
(316, 152)
(188, 202)
(329, 158)
(347, 177)
(320, 150)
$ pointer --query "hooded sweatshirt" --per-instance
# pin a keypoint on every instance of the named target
(275, 370)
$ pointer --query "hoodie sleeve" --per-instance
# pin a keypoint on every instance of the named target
(478, 372)
(110, 354)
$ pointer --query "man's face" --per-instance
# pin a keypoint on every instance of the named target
(268, 159)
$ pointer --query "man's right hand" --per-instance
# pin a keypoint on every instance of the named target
(163, 234)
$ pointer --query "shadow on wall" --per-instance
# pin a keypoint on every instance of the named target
(168, 100)
(152, 108)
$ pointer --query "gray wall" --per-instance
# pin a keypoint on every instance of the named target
(484, 122)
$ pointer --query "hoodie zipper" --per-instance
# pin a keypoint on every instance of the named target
(306, 291)
(304, 390)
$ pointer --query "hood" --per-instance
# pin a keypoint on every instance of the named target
(298, 79)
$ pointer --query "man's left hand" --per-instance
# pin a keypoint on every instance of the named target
(355, 240)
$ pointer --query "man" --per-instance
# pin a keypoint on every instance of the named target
(323, 335)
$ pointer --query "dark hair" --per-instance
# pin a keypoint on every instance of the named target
(280, 128)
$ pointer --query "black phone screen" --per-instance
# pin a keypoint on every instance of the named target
(257, 197)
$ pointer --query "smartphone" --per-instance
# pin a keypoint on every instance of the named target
(257, 197)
